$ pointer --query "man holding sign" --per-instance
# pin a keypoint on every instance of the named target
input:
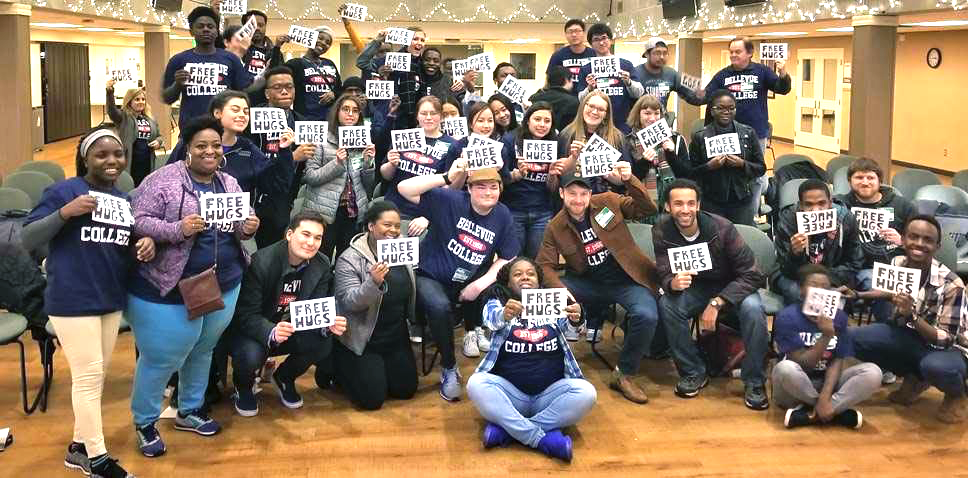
(811, 379)
(622, 88)
(838, 250)
(256, 58)
(291, 270)
(603, 265)
(926, 339)
(660, 80)
(707, 271)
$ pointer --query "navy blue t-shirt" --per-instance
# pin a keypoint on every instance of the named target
(602, 265)
(317, 79)
(531, 193)
(195, 98)
(571, 60)
(749, 86)
(795, 331)
(459, 241)
(531, 357)
(89, 260)
(432, 160)
(255, 60)
(617, 92)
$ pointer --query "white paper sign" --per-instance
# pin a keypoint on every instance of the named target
(124, 74)
(539, 151)
(694, 258)
(408, 139)
(398, 61)
(513, 89)
(267, 120)
(455, 127)
(354, 11)
(379, 89)
(543, 303)
(596, 143)
(821, 302)
(815, 222)
(605, 66)
(689, 81)
(483, 62)
(399, 36)
(312, 314)
(224, 208)
(896, 279)
(248, 29)
(872, 220)
(354, 136)
(459, 68)
(311, 132)
(303, 36)
(723, 144)
(480, 157)
(232, 7)
(111, 210)
(396, 252)
(654, 134)
(202, 74)
(773, 51)
(597, 163)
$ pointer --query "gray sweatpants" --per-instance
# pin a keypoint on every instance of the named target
(792, 386)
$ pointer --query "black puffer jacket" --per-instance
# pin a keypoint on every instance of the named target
(726, 184)
(22, 285)
(843, 255)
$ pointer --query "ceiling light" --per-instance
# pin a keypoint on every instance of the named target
(836, 29)
(54, 25)
(780, 34)
(941, 23)
(97, 29)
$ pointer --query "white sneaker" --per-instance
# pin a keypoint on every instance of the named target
(416, 333)
(483, 343)
(888, 378)
(471, 350)
(590, 335)
(572, 334)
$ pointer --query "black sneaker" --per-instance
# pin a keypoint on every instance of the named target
(689, 387)
(246, 404)
(77, 459)
(797, 417)
(756, 398)
(287, 392)
(106, 467)
(849, 418)
(324, 380)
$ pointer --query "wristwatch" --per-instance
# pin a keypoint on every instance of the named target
(716, 303)
(446, 179)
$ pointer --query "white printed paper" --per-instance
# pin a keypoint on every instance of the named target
(267, 120)
(773, 51)
(232, 7)
(379, 89)
(398, 61)
(539, 151)
(815, 222)
(483, 62)
(223, 208)
(124, 74)
(312, 314)
(513, 89)
(596, 143)
(202, 74)
(111, 210)
(397, 252)
(693, 258)
(399, 36)
(821, 303)
(353, 11)
(896, 279)
(872, 220)
(654, 134)
(408, 139)
(543, 303)
(723, 144)
(455, 127)
(480, 157)
(605, 66)
(354, 136)
(311, 132)
(597, 163)
(303, 36)
(689, 81)
(248, 29)
(459, 67)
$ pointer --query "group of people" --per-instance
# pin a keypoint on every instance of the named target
(192, 290)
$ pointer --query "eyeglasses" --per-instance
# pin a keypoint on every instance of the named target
(278, 88)
(349, 110)
(428, 114)
(600, 109)
(725, 109)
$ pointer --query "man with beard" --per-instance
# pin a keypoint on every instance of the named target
(659, 80)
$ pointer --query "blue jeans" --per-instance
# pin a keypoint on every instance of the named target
(437, 301)
(881, 309)
(637, 301)
(168, 342)
(678, 309)
(788, 288)
(902, 350)
(739, 212)
(530, 227)
(527, 417)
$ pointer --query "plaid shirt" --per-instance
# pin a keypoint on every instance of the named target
(941, 303)
(494, 320)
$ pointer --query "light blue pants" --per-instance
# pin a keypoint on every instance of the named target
(168, 342)
(527, 417)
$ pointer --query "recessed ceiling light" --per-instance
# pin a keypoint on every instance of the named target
(836, 29)
(97, 29)
(54, 25)
(780, 34)
(940, 23)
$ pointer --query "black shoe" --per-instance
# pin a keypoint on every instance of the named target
(324, 380)
(756, 398)
(287, 391)
(797, 417)
(849, 418)
(106, 467)
(77, 459)
(689, 387)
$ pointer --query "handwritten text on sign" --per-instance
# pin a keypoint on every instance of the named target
(224, 208)
(399, 36)
(396, 252)
(303, 36)
(480, 157)
(723, 144)
(268, 120)
(654, 134)
(455, 127)
(201, 74)
(248, 29)
(872, 220)
(483, 62)
(408, 139)
(460, 67)
(597, 143)
(773, 51)
(124, 74)
(597, 163)
(111, 210)
(605, 66)
(540, 151)
(311, 132)
(694, 258)
(232, 7)
(513, 89)
(398, 61)
(689, 81)
(312, 314)
(354, 136)
(543, 303)
(354, 11)
(815, 222)
(379, 90)
(821, 302)
(896, 279)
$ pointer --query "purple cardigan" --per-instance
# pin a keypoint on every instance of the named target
(156, 215)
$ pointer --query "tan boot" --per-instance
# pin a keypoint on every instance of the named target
(909, 392)
(953, 409)
(624, 384)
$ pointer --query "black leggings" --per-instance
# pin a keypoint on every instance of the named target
(378, 374)
(337, 236)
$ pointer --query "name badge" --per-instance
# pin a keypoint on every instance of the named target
(604, 217)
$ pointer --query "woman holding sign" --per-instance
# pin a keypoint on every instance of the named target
(87, 223)
(529, 385)
(334, 178)
(481, 122)
(199, 263)
(317, 78)
(665, 161)
(137, 129)
(594, 118)
(374, 360)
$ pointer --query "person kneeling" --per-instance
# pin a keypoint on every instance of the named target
(289, 270)
(811, 381)
(529, 384)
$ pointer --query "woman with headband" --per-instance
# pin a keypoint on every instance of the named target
(87, 222)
